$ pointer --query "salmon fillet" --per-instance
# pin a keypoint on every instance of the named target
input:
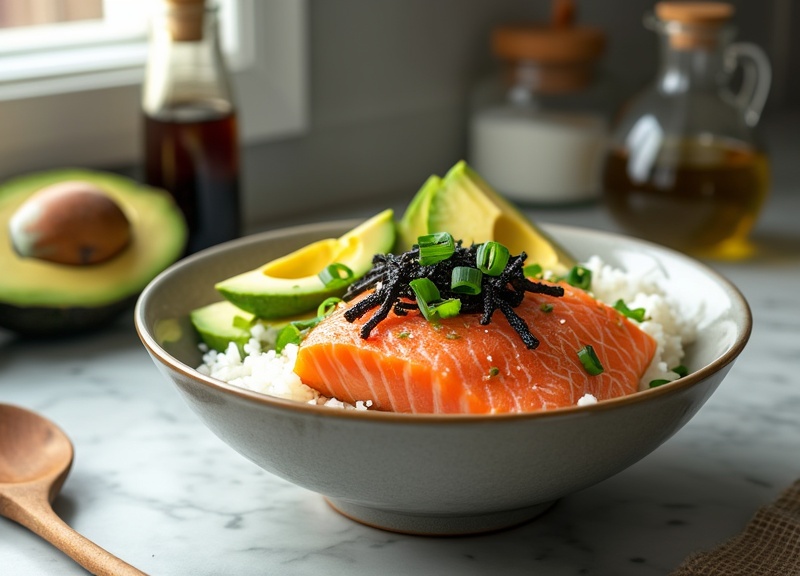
(455, 365)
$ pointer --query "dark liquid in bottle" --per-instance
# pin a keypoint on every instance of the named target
(699, 198)
(192, 152)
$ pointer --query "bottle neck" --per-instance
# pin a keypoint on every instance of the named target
(185, 67)
(690, 70)
(691, 56)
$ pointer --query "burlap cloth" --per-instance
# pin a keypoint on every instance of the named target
(768, 546)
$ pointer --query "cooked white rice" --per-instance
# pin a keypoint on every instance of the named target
(262, 370)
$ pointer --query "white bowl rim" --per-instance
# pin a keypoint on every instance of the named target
(301, 408)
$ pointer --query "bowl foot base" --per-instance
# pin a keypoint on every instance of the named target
(449, 525)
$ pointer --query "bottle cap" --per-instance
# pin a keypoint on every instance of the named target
(694, 24)
(186, 19)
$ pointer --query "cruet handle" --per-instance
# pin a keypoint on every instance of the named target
(756, 79)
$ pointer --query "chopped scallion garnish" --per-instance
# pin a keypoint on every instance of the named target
(446, 308)
(681, 370)
(336, 275)
(636, 314)
(290, 334)
(546, 307)
(424, 289)
(434, 248)
(533, 271)
(466, 280)
(492, 258)
(429, 300)
(659, 382)
(579, 277)
(328, 306)
(591, 363)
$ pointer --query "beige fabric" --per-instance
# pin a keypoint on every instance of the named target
(768, 546)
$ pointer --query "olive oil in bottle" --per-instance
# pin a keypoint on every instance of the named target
(700, 198)
(685, 167)
(191, 146)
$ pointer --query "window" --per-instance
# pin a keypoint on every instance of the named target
(71, 72)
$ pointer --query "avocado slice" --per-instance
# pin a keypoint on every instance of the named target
(289, 285)
(40, 298)
(414, 222)
(470, 210)
(222, 322)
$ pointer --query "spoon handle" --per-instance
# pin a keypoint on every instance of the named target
(37, 515)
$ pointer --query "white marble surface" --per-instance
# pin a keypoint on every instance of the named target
(153, 485)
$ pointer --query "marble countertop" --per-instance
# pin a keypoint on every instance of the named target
(151, 484)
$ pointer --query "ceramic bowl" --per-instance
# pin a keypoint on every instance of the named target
(454, 474)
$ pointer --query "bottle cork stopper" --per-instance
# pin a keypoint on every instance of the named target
(697, 22)
(186, 19)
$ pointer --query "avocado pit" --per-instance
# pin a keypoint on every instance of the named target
(74, 223)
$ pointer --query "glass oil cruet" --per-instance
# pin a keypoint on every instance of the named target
(684, 168)
(191, 143)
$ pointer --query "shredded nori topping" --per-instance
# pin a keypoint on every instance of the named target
(390, 276)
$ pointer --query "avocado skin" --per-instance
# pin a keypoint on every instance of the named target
(53, 322)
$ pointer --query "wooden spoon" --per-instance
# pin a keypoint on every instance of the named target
(35, 458)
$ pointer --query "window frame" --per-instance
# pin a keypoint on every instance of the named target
(92, 118)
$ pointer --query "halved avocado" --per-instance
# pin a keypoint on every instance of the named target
(290, 285)
(40, 298)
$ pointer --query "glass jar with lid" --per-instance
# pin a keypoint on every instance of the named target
(539, 126)
(685, 166)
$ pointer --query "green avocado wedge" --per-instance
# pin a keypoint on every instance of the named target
(467, 207)
(220, 323)
(290, 285)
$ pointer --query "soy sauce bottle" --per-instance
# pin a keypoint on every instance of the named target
(191, 144)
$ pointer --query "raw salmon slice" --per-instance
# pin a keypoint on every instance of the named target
(458, 366)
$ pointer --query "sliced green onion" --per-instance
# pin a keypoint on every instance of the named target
(533, 271)
(681, 370)
(546, 307)
(579, 277)
(336, 275)
(434, 248)
(466, 280)
(492, 258)
(659, 382)
(425, 291)
(429, 300)
(289, 334)
(494, 371)
(636, 314)
(328, 306)
(306, 324)
(446, 308)
(590, 361)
